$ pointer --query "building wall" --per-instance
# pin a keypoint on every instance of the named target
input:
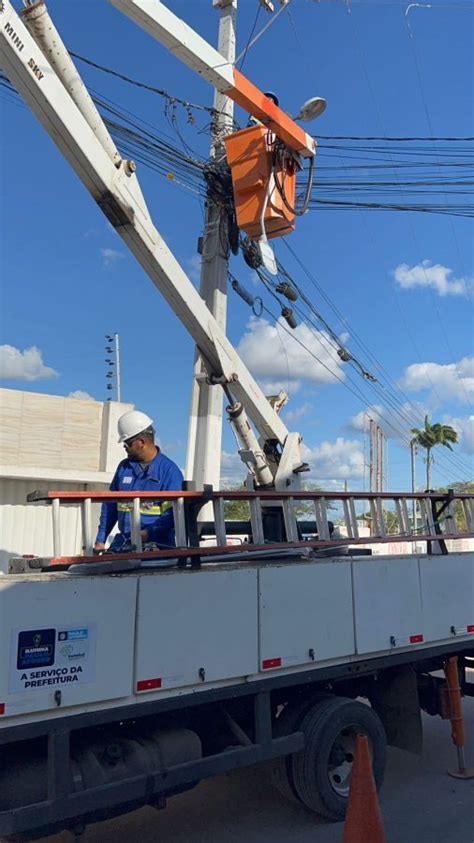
(28, 528)
(48, 442)
(52, 432)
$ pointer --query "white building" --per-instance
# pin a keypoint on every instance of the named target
(49, 442)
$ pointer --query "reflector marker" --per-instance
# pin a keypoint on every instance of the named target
(402, 642)
(416, 639)
(148, 685)
(267, 664)
(2, 709)
(462, 630)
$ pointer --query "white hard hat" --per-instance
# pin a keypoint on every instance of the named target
(132, 423)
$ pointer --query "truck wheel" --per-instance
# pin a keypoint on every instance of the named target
(281, 768)
(321, 772)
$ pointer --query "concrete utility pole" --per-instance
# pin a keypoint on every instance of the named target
(372, 450)
(413, 478)
(203, 462)
(380, 459)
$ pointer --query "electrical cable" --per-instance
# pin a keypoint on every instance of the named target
(387, 393)
(243, 55)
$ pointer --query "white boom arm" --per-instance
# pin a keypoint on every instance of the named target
(115, 188)
(190, 48)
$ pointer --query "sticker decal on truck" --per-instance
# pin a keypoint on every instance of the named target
(36, 648)
(44, 658)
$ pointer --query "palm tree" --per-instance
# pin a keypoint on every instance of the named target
(431, 436)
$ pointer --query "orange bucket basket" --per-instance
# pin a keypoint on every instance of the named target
(249, 155)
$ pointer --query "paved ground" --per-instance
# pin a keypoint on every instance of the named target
(420, 803)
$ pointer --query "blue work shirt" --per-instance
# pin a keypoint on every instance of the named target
(156, 517)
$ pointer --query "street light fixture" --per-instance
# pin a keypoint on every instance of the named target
(311, 109)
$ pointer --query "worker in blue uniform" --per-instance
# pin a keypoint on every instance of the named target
(146, 469)
(252, 121)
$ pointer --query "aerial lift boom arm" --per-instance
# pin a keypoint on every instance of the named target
(190, 48)
(113, 184)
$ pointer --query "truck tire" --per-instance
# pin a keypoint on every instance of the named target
(321, 771)
(281, 769)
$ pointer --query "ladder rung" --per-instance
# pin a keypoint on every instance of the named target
(219, 521)
(179, 523)
(136, 534)
(355, 526)
(381, 520)
(289, 516)
(86, 512)
(256, 521)
(321, 519)
(56, 512)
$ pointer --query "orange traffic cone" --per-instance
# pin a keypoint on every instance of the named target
(364, 822)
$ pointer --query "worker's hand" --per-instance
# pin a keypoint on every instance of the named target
(144, 535)
(99, 547)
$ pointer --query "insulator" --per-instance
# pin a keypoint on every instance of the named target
(251, 253)
(287, 314)
(243, 293)
(344, 355)
(287, 290)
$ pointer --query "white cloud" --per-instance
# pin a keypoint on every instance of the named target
(24, 365)
(396, 425)
(361, 421)
(464, 427)
(110, 256)
(233, 470)
(270, 387)
(426, 274)
(270, 352)
(330, 463)
(298, 413)
(453, 381)
(193, 268)
(339, 460)
(80, 395)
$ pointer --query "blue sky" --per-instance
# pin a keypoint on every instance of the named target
(402, 282)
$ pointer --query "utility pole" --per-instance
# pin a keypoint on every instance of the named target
(413, 479)
(114, 349)
(203, 461)
(117, 368)
(372, 478)
(380, 459)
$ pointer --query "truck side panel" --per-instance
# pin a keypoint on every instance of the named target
(387, 603)
(447, 585)
(65, 641)
(195, 627)
(305, 613)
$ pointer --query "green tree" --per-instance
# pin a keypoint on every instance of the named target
(236, 510)
(392, 527)
(430, 437)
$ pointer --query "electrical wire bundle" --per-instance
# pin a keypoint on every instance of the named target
(352, 173)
